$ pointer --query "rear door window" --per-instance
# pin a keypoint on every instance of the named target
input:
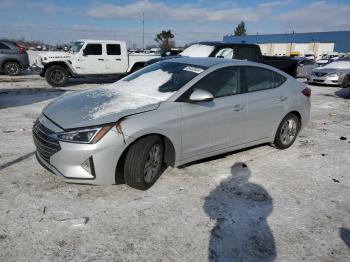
(113, 49)
(258, 79)
(247, 53)
(93, 49)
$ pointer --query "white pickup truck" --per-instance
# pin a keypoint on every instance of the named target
(90, 58)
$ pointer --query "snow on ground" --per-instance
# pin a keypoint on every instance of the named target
(258, 204)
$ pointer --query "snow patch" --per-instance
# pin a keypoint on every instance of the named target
(198, 50)
(136, 93)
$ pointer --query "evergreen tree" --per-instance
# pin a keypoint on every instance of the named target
(240, 29)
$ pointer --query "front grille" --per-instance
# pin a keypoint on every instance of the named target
(320, 74)
(46, 146)
(319, 80)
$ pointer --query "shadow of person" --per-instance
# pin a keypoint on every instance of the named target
(240, 208)
(345, 235)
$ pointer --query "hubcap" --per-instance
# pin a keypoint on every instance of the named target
(12, 69)
(57, 76)
(288, 131)
(153, 163)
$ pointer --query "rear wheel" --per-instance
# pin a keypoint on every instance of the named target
(12, 68)
(144, 162)
(287, 131)
(56, 76)
(345, 82)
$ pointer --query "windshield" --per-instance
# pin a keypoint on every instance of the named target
(148, 86)
(162, 78)
(76, 46)
(198, 50)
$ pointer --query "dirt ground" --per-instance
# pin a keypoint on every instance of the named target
(259, 204)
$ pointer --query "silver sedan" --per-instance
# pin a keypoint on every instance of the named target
(336, 73)
(168, 114)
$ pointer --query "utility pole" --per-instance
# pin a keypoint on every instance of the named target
(143, 31)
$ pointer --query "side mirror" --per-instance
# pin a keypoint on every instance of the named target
(84, 52)
(200, 95)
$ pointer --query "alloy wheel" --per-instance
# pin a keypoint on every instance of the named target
(153, 163)
(288, 131)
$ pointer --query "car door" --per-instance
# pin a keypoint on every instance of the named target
(91, 60)
(116, 58)
(205, 125)
(266, 101)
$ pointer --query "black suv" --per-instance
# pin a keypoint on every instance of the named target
(13, 58)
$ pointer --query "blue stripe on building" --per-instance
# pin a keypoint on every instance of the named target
(340, 38)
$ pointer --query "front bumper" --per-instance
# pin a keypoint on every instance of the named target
(66, 163)
(326, 80)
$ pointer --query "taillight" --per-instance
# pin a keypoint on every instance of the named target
(22, 50)
(306, 92)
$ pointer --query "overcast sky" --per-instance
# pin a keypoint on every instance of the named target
(198, 20)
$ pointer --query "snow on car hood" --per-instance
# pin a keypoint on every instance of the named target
(198, 50)
(338, 65)
(108, 104)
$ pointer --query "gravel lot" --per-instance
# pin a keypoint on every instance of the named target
(257, 204)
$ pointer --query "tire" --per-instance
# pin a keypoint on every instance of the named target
(285, 137)
(12, 68)
(56, 76)
(345, 82)
(136, 174)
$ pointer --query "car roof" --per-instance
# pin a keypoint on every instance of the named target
(209, 61)
(99, 41)
(218, 43)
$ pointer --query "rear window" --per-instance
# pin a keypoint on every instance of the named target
(113, 49)
(3, 46)
(247, 53)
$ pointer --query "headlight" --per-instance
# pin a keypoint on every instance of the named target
(335, 74)
(85, 136)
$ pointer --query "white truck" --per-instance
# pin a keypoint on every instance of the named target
(90, 58)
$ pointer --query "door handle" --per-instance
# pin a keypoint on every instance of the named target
(118, 59)
(282, 98)
(238, 108)
(101, 59)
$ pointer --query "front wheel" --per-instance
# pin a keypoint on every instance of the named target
(144, 162)
(345, 82)
(287, 132)
(56, 76)
(12, 68)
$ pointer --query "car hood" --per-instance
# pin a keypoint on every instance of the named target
(95, 107)
(325, 70)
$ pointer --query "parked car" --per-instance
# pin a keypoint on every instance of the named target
(336, 73)
(90, 58)
(168, 114)
(239, 51)
(305, 66)
(13, 58)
